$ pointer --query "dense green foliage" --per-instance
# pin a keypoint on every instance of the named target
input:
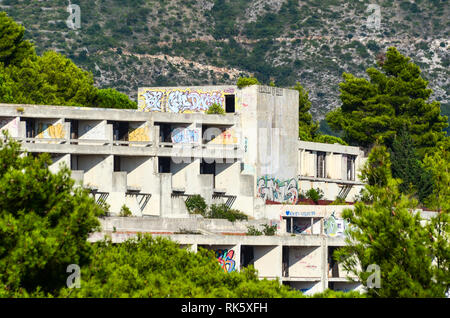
(247, 81)
(44, 224)
(215, 109)
(394, 98)
(158, 267)
(50, 79)
(308, 130)
(267, 229)
(222, 211)
(406, 166)
(389, 234)
(196, 204)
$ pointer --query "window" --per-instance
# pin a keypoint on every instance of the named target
(116, 163)
(320, 165)
(350, 167)
(207, 168)
(229, 103)
(164, 164)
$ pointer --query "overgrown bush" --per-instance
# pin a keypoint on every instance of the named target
(269, 230)
(246, 81)
(215, 109)
(125, 211)
(314, 194)
(196, 205)
(222, 211)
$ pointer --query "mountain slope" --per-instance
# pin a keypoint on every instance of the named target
(132, 43)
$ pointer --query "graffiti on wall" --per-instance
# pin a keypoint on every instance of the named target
(227, 137)
(10, 125)
(176, 100)
(335, 227)
(274, 189)
(226, 261)
(186, 136)
(139, 134)
(46, 130)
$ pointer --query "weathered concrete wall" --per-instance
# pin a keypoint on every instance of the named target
(267, 260)
(305, 261)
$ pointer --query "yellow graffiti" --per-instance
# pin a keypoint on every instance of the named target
(139, 134)
(228, 137)
(51, 131)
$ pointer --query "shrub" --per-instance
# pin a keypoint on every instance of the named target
(196, 205)
(125, 211)
(222, 211)
(314, 194)
(251, 230)
(215, 109)
(246, 81)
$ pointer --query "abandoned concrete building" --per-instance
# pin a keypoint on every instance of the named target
(250, 158)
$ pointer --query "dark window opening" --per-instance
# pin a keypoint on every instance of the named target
(285, 257)
(229, 103)
(30, 128)
(164, 164)
(116, 163)
(165, 132)
(320, 165)
(73, 129)
(207, 168)
(120, 130)
(73, 162)
(333, 266)
(247, 255)
(351, 168)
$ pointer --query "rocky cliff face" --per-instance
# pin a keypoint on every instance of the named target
(132, 43)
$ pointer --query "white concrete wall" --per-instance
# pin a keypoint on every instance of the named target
(268, 260)
(305, 261)
(98, 171)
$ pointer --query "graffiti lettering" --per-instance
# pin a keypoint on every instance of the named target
(277, 190)
(186, 136)
(225, 258)
(335, 227)
(179, 100)
(50, 131)
(227, 137)
(139, 134)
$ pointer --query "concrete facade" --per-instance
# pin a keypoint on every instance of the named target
(154, 158)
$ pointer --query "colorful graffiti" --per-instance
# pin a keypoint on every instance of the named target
(51, 131)
(335, 227)
(227, 137)
(139, 134)
(178, 100)
(277, 190)
(225, 258)
(186, 136)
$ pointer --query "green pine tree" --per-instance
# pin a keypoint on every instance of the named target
(406, 165)
(394, 98)
(44, 224)
(390, 234)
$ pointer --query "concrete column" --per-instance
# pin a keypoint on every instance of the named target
(324, 263)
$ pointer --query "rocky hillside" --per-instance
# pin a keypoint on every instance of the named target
(132, 43)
